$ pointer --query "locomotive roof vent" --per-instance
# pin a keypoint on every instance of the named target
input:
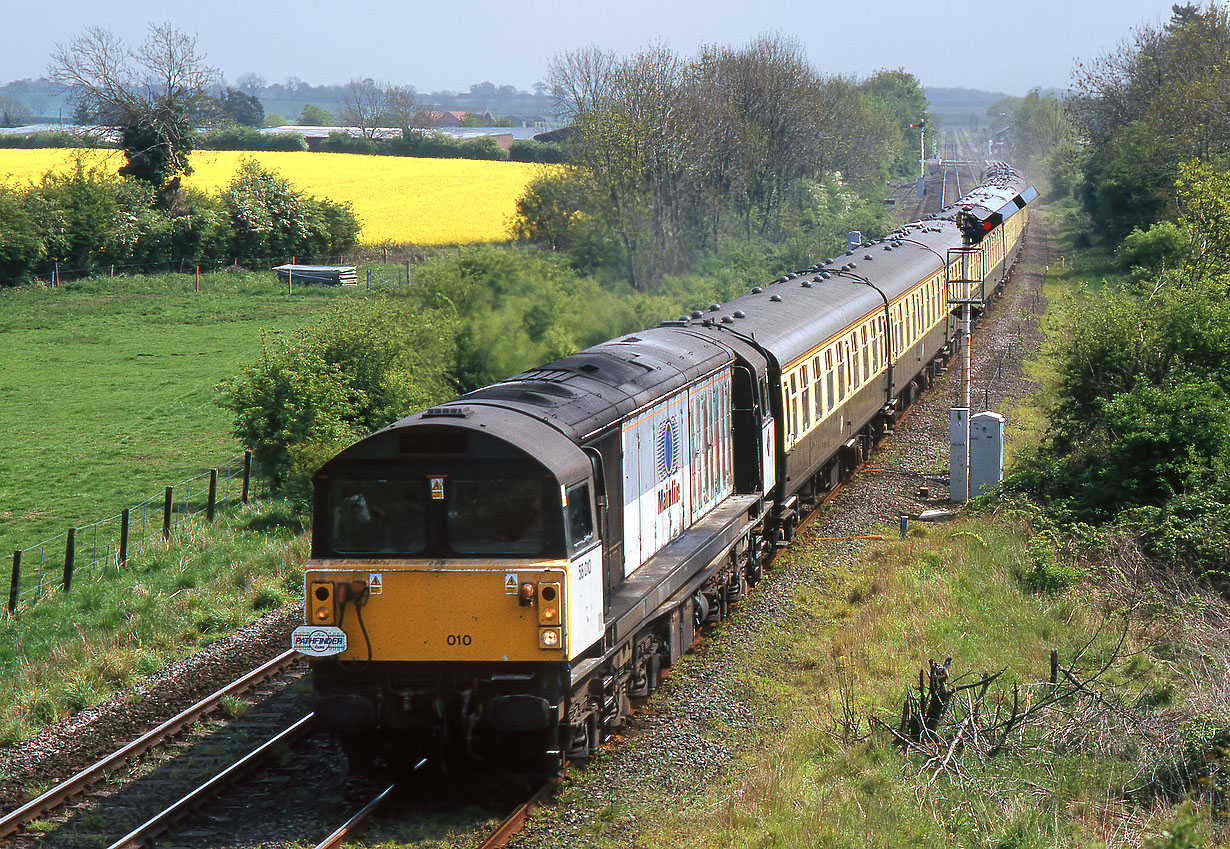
(825, 275)
(740, 314)
(868, 256)
(697, 313)
(727, 320)
(714, 307)
(781, 279)
(756, 290)
(775, 298)
(447, 413)
(806, 284)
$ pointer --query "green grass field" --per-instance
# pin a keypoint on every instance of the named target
(108, 389)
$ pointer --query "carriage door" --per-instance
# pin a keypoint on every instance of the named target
(604, 455)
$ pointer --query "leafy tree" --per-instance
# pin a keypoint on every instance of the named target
(243, 109)
(900, 92)
(363, 365)
(684, 153)
(1156, 101)
(21, 244)
(271, 221)
(1155, 249)
(147, 94)
(314, 116)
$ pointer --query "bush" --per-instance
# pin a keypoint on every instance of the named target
(431, 145)
(1159, 246)
(528, 150)
(360, 367)
(271, 221)
(21, 245)
(53, 138)
(250, 138)
(90, 219)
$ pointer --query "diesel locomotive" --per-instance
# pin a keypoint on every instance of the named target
(497, 578)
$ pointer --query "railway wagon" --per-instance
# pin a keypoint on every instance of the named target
(497, 578)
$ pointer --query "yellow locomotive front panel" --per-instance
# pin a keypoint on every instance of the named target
(510, 611)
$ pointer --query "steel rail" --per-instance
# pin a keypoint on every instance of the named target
(66, 790)
(514, 821)
(160, 822)
(338, 837)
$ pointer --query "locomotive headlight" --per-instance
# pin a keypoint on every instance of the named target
(320, 602)
(548, 603)
(550, 638)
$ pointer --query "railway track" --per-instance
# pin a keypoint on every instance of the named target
(59, 796)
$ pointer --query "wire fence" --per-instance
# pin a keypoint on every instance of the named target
(52, 564)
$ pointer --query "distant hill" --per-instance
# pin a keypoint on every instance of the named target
(961, 107)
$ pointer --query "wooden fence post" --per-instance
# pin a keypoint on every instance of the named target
(211, 505)
(1054, 666)
(15, 586)
(124, 515)
(166, 513)
(70, 554)
(247, 477)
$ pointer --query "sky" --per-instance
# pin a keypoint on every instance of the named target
(438, 45)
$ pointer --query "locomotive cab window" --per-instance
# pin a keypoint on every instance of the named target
(580, 517)
(375, 517)
(431, 513)
(501, 517)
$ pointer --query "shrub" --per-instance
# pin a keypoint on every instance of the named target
(528, 150)
(1159, 246)
(53, 138)
(21, 245)
(250, 138)
(271, 221)
(361, 366)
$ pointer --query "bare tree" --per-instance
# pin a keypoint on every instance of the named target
(580, 80)
(147, 94)
(364, 106)
(403, 110)
(251, 82)
(13, 113)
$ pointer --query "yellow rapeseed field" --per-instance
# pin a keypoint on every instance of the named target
(397, 199)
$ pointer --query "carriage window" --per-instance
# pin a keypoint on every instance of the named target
(862, 338)
(805, 400)
(830, 393)
(498, 516)
(841, 370)
(855, 377)
(580, 516)
(378, 516)
(818, 388)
